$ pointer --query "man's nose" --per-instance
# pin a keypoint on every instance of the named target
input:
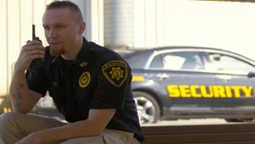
(51, 33)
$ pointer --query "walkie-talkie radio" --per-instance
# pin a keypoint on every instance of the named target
(36, 62)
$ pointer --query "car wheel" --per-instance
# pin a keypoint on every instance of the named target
(147, 107)
(238, 120)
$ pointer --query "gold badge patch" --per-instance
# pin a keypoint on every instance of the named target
(116, 72)
(84, 79)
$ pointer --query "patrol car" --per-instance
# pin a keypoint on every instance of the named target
(171, 83)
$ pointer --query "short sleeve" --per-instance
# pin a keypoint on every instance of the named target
(112, 83)
(37, 80)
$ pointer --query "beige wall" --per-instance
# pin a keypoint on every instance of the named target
(17, 17)
(226, 25)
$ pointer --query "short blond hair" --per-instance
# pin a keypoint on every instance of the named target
(67, 4)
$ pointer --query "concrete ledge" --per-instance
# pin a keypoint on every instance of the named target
(239, 133)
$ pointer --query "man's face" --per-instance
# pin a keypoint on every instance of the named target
(61, 31)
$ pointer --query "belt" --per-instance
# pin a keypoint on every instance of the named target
(139, 138)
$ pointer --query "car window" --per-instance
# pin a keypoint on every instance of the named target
(230, 64)
(178, 61)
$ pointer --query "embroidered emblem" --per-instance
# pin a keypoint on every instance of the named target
(83, 64)
(84, 79)
(116, 72)
(54, 84)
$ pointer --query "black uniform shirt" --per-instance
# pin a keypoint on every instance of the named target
(97, 79)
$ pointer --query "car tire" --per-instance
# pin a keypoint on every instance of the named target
(238, 120)
(146, 100)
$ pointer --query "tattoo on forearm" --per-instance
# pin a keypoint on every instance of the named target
(18, 95)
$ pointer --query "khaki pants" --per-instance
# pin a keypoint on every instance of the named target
(15, 126)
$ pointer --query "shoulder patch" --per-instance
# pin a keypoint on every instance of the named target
(84, 79)
(116, 72)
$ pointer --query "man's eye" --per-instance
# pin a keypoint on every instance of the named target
(46, 28)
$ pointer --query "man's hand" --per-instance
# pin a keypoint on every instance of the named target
(32, 50)
(33, 138)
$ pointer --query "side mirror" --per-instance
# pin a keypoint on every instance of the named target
(251, 74)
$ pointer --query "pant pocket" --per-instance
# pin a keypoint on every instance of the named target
(115, 139)
(85, 140)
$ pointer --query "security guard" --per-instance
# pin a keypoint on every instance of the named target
(90, 86)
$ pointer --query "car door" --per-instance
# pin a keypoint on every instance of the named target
(182, 75)
(234, 91)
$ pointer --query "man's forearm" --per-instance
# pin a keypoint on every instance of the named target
(93, 126)
(78, 129)
(19, 93)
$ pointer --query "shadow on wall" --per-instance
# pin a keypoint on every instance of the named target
(5, 104)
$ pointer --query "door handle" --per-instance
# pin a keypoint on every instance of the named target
(224, 78)
(162, 76)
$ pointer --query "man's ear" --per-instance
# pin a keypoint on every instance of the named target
(82, 27)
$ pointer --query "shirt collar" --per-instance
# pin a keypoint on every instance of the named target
(81, 58)
(83, 55)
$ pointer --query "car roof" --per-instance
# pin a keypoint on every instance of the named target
(184, 47)
(133, 50)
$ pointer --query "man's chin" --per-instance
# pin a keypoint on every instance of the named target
(55, 53)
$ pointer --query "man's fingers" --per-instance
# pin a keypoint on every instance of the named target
(34, 42)
(33, 55)
(37, 56)
(36, 52)
(33, 47)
